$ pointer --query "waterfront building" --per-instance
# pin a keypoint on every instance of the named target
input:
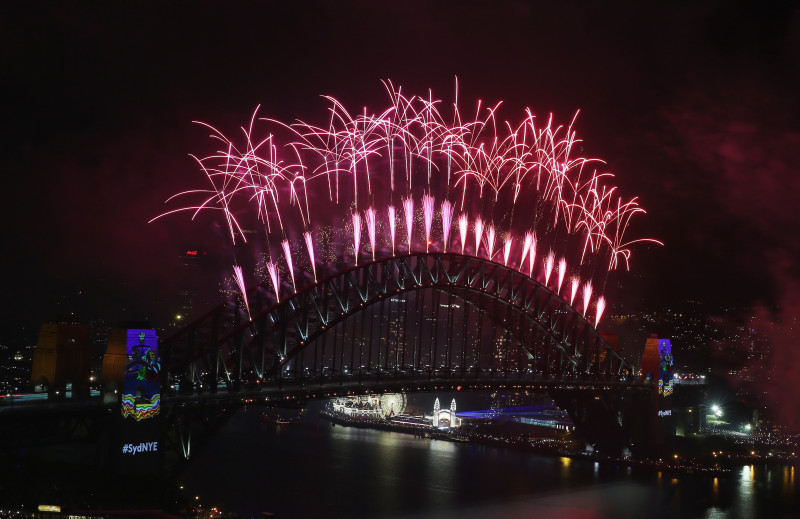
(376, 407)
(445, 418)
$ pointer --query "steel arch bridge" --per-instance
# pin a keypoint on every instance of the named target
(412, 319)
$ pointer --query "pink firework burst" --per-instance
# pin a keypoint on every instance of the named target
(527, 172)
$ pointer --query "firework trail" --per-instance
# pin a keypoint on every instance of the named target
(574, 290)
(310, 248)
(273, 276)
(548, 267)
(392, 225)
(370, 216)
(447, 220)
(408, 210)
(427, 210)
(526, 247)
(463, 227)
(532, 257)
(601, 306)
(356, 234)
(287, 253)
(490, 241)
(562, 270)
(478, 234)
(237, 271)
(507, 250)
(587, 296)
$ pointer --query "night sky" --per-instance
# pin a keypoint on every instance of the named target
(693, 106)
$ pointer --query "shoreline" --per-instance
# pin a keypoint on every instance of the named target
(549, 450)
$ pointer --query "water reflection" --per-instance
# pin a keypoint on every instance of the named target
(715, 513)
(315, 470)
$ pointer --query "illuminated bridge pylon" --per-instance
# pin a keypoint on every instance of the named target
(412, 319)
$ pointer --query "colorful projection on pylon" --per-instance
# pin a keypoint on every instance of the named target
(665, 381)
(141, 390)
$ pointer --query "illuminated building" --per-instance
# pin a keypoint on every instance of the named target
(445, 418)
(370, 406)
(192, 261)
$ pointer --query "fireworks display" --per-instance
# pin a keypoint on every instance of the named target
(516, 180)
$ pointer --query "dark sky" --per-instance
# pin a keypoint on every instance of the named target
(693, 105)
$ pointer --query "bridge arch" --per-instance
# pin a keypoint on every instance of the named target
(289, 342)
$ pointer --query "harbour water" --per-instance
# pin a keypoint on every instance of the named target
(315, 469)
